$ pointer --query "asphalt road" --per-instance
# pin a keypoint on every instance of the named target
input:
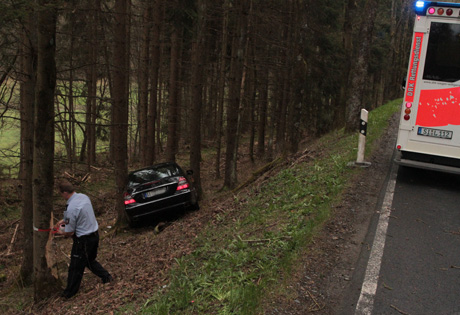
(412, 264)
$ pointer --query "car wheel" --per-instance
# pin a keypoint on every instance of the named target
(195, 207)
(132, 223)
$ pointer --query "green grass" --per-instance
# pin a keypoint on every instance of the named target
(9, 144)
(241, 259)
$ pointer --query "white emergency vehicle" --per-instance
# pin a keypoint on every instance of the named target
(429, 129)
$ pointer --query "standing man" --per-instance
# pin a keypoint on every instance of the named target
(80, 223)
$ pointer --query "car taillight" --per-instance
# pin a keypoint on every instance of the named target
(128, 199)
(183, 183)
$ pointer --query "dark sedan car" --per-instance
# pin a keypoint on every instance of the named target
(158, 188)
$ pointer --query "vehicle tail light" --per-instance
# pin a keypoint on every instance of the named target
(128, 199)
(407, 111)
(183, 183)
(434, 10)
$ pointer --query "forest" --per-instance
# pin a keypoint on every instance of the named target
(129, 83)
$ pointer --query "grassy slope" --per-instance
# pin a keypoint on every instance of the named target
(243, 255)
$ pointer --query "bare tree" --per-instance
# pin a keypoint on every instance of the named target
(360, 66)
(120, 105)
(222, 66)
(173, 109)
(235, 77)
(27, 90)
(43, 169)
(263, 105)
(197, 92)
(154, 81)
(144, 86)
(91, 79)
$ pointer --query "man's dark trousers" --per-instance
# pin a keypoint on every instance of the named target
(84, 253)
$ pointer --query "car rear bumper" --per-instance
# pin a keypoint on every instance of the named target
(428, 162)
(137, 211)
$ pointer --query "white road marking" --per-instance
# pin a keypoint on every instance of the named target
(371, 278)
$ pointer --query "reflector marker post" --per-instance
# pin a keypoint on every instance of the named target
(362, 138)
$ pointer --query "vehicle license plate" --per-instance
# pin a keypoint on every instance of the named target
(155, 192)
(436, 133)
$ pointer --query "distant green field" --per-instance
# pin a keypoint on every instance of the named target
(10, 133)
(10, 129)
(9, 143)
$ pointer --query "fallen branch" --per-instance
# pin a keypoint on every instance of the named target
(397, 309)
(10, 225)
(258, 173)
(63, 253)
(452, 232)
(86, 177)
(304, 156)
(387, 286)
(96, 168)
(10, 248)
(70, 175)
(318, 307)
(267, 240)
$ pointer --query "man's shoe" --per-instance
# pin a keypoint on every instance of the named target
(108, 279)
(66, 295)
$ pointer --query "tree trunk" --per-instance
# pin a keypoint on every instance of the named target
(234, 95)
(120, 106)
(340, 111)
(220, 106)
(197, 93)
(144, 87)
(252, 94)
(360, 66)
(173, 111)
(293, 132)
(72, 137)
(29, 69)
(154, 76)
(263, 105)
(43, 171)
(91, 103)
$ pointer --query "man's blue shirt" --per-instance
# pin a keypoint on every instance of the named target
(79, 216)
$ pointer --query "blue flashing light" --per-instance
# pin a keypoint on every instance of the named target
(420, 4)
(420, 7)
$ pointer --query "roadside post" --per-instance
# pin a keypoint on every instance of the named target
(362, 139)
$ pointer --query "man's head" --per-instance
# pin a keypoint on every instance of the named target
(66, 189)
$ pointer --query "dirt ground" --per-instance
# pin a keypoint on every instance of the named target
(317, 288)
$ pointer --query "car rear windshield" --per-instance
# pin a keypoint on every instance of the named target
(148, 175)
(442, 56)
